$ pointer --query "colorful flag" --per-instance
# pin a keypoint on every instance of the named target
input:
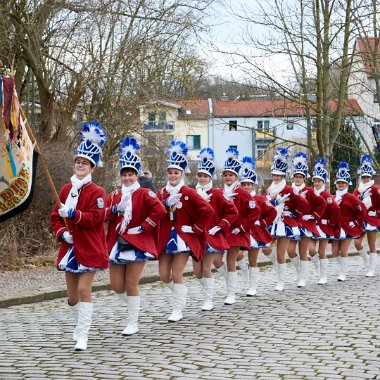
(17, 157)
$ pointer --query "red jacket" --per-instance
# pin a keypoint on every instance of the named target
(225, 214)
(195, 212)
(331, 215)
(267, 216)
(316, 206)
(296, 204)
(374, 192)
(352, 210)
(249, 212)
(147, 211)
(87, 228)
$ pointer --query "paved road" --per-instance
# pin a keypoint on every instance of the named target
(320, 332)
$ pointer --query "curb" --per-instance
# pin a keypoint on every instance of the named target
(48, 294)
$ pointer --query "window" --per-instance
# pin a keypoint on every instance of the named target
(290, 125)
(375, 98)
(152, 119)
(193, 141)
(260, 150)
(263, 126)
(232, 124)
(314, 124)
(157, 118)
(233, 146)
(162, 118)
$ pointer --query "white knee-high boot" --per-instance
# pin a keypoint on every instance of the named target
(208, 287)
(75, 311)
(273, 258)
(365, 257)
(243, 265)
(343, 269)
(323, 272)
(317, 265)
(372, 264)
(231, 282)
(178, 302)
(302, 274)
(84, 324)
(133, 304)
(223, 271)
(296, 262)
(253, 281)
(281, 274)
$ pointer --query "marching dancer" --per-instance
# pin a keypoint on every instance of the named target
(315, 208)
(260, 236)
(238, 235)
(369, 194)
(225, 214)
(182, 229)
(328, 225)
(288, 205)
(352, 213)
(133, 213)
(83, 249)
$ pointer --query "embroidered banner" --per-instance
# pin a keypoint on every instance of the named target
(17, 158)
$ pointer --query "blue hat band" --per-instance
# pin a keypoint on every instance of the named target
(91, 151)
(177, 161)
(280, 167)
(232, 165)
(249, 176)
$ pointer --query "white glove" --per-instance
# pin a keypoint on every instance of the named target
(257, 223)
(187, 229)
(235, 231)
(172, 200)
(214, 230)
(230, 197)
(324, 221)
(123, 204)
(65, 212)
(303, 194)
(372, 213)
(351, 224)
(67, 237)
(135, 230)
(207, 198)
(307, 217)
(283, 199)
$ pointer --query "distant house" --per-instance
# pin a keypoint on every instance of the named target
(365, 72)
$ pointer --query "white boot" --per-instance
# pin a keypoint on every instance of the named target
(243, 265)
(133, 304)
(75, 311)
(302, 274)
(365, 257)
(84, 324)
(281, 271)
(232, 282)
(169, 285)
(296, 262)
(223, 271)
(273, 258)
(317, 265)
(208, 287)
(179, 302)
(253, 281)
(323, 272)
(200, 280)
(372, 264)
(343, 269)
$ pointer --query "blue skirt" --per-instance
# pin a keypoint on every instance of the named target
(281, 229)
(175, 244)
(322, 235)
(130, 256)
(69, 263)
(258, 244)
(370, 227)
(344, 235)
(211, 249)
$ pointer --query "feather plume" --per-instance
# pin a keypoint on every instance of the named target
(343, 166)
(249, 163)
(93, 132)
(366, 160)
(282, 154)
(207, 153)
(299, 158)
(129, 144)
(178, 147)
(232, 153)
(320, 163)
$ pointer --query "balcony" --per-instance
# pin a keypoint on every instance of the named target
(263, 164)
(260, 135)
(158, 127)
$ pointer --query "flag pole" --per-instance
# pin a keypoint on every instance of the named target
(43, 163)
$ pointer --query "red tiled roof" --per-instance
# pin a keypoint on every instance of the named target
(370, 54)
(273, 108)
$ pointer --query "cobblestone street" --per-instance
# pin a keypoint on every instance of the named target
(319, 332)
